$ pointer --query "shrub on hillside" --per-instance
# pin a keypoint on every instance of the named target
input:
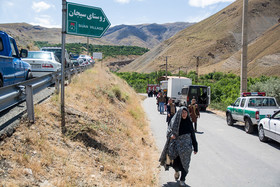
(271, 86)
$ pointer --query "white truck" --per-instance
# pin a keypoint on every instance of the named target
(175, 86)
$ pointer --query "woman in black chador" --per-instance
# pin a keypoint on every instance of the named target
(180, 143)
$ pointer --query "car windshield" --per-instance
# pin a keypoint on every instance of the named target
(254, 102)
(40, 55)
(276, 115)
(58, 54)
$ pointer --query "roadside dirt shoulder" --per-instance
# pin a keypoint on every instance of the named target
(217, 112)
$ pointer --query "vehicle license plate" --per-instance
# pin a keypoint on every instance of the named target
(36, 66)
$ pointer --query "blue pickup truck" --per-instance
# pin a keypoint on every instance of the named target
(12, 68)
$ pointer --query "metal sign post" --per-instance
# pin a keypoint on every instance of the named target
(63, 36)
(80, 20)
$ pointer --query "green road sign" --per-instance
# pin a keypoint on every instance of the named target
(86, 20)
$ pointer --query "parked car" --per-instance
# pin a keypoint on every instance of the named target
(75, 62)
(12, 68)
(85, 60)
(74, 59)
(57, 51)
(250, 108)
(269, 127)
(42, 62)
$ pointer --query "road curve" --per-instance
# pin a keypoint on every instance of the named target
(227, 156)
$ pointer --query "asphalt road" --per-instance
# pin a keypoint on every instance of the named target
(10, 118)
(227, 156)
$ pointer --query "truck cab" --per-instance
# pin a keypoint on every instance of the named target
(164, 86)
(200, 93)
(12, 68)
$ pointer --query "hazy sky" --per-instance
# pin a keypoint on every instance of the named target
(47, 13)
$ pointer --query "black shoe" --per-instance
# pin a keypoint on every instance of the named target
(182, 183)
(176, 175)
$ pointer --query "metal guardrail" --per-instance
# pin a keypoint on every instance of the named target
(14, 94)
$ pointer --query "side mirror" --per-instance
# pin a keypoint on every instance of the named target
(179, 93)
(23, 53)
(231, 104)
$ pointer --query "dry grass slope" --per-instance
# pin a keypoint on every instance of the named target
(108, 141)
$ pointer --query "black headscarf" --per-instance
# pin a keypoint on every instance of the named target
(176, 120)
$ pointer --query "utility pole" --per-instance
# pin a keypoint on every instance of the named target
(166, 67)
(63, 36)
(243, 81)
(197, 64)
(179, 72)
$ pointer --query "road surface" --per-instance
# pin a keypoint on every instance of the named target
(227, 156)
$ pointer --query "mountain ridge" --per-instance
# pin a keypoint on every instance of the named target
(214, 39)
(143, 35)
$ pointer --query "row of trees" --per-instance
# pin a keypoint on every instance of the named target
(107, 50)
(225, 87)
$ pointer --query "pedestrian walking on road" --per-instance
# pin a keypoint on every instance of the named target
(194, 113)
(181, 141)
(171, 110)
(161, 101)
(166, 102)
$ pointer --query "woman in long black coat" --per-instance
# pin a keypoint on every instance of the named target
(180, 144)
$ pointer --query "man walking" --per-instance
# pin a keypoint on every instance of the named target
(161, 101)
(194, 113)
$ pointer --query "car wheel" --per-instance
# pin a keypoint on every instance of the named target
(248, 126)
(29, 75)
(1, 83)
(203, 109)
(229, 119)
(262, 136)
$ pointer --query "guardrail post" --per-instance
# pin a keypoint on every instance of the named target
(69, 77)
(56, 84)
(29, 103)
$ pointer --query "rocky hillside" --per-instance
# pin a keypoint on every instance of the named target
(217, 41)
(146, 35)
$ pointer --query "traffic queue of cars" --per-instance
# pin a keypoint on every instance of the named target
(18, 66)
(256, 109)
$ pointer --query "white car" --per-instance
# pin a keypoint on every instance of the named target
(84, 60)
(269, 127)
(42, 62)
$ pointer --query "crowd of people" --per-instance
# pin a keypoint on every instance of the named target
(152, 93)
(181, 139)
